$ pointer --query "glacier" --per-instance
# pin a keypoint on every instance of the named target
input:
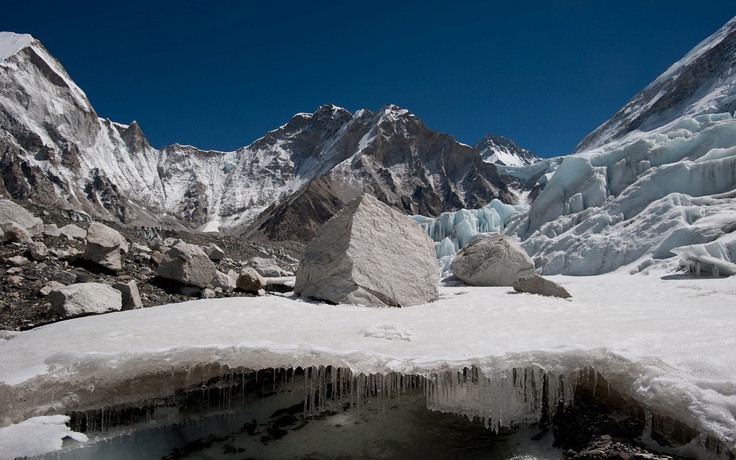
(629, 204)
(651, 339)
(453, 230)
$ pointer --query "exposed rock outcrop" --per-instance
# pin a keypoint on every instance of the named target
(492, 261)
(369, 254)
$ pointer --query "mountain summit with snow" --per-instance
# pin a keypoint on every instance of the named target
(504, 151)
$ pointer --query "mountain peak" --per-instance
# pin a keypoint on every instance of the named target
(504, 151)
(11, 43)
(703, 81)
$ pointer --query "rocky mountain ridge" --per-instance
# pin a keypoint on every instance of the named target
(57, 151)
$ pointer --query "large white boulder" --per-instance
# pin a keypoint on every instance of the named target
(492, 261)
(11, 212)
(105, 246)
(188, 264)
(369, 254)
(84, 299)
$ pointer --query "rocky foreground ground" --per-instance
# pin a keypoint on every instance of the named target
(37, 265)
(24, 303)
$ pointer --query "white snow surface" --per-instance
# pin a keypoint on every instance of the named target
(11, 43)
(36, 436)
(668, 341)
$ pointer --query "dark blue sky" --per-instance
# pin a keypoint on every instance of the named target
(218, 75)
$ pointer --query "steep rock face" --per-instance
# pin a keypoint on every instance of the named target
(704, 81)
(54, 146)
(504, 151)
(395, 157)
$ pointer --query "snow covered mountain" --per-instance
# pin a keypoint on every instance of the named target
(656, 180)
(704, 81)
(56, 150)
(504, 151)
(54, 146)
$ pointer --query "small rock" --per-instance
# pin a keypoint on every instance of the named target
(224, 281)
(267, 267)
(105, 246)
(17, 261)
(250, 281)
(214, 252)
(50, 286)
(38, 250)
(188, 264)
(208, 294)
(14, 270)
(156, 258)
(72, 232)
(14, 232)
(131, 295)
(64, 277)
(140, 248)
(51, 230)
(15, 280)
(535, 284)
(11, 212)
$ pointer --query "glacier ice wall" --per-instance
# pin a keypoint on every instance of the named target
(454, 230)
(634, 201)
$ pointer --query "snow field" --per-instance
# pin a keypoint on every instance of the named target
(667, 342)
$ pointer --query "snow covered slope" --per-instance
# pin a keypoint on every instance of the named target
(704, 81)
(54, 145)
(660, 176)
(504, 151)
